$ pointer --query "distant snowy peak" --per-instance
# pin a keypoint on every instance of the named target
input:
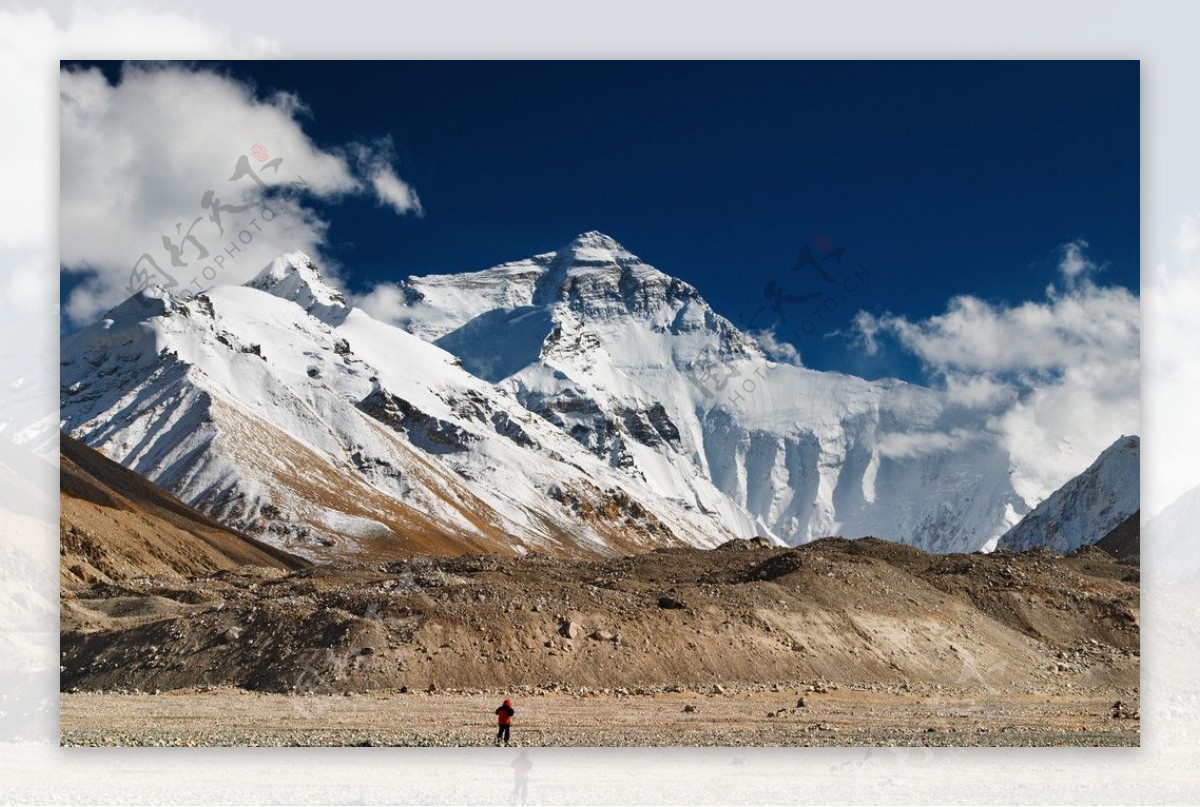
(293, 276)
(1087, 507)
(593, 277)
(579, 399)
(598, 278)
(636, 367)
(151, 301)
(596, 248)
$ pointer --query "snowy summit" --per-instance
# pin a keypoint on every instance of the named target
(579, 400)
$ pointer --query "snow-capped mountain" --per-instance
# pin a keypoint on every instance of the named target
(580, 400)
(1087, 507)
(640, 370)
(285, 413)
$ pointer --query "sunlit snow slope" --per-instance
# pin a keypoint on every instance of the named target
(285, 413)
(579, 400)
(1087, 507)
(641, 371)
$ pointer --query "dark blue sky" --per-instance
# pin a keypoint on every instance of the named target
(939, 178)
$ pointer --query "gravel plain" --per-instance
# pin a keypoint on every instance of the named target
(760, 716)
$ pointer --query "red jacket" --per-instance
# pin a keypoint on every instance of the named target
(504, 714)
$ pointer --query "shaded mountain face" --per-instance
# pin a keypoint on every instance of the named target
(578, 401)
(1125, 541)
(1086, 508)
(116, 525)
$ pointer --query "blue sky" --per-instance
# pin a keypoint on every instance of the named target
(937, 178)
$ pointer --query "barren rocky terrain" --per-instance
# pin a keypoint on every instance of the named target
(115, 525)
(811, 715)
(844, 611)
(175, 630)
(687, 646)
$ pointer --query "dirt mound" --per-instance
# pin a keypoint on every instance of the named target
(115, 525)
(845, 612)
(745, 544)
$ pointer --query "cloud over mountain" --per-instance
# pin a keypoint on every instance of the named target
(1059, 376)
(204, 174)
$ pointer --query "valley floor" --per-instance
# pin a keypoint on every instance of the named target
(885, 645)
(759, 716)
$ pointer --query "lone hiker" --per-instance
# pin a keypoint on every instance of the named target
(521, 766)
(504, 716)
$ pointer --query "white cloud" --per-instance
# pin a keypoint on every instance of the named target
(1074, 261)
(374, 163)
(395, 192)
(975, 336)
(903, 445)
(977, 391)
(776, 349)
(31, 43)
(1057, 429)
(139, 159)
(385, 302)
(1057, 380)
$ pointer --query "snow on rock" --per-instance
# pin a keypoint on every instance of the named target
(595, 340)
(280, 410)
(1087, 507)
(293, 276)
(579, 400)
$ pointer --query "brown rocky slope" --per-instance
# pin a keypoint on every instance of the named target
(839, 611)
(115, 524)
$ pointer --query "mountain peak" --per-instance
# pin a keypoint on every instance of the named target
(1088, 506)
(594, 248)
(595, 238)
(151, 301)
(294, 276)
(593, 275)
(1124, 443)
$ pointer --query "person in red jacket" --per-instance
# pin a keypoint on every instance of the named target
(504, 716)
